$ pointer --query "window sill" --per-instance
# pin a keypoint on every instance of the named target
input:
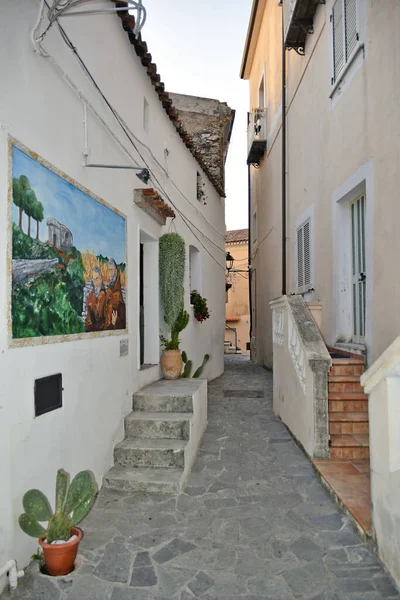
(342, 75)
(146, 366)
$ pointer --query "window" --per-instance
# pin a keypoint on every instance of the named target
(194, 270)
(146, 116)
(304, 257)
(261, 93)
(344, 19)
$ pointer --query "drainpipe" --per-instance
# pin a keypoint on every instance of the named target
(249, 244)
(10, 569)
(283, 160)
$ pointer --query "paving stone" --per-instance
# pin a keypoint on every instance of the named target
(385, 586)
(142, 560)
(115, 564)
(307, 580)
(200, 584)
(174, 548)
(254, 523)
(89, 588)
(128, 593)
(143, 577)
(305, 549)
(355, 585)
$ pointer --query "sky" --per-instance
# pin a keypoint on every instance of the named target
(198, 49)
(94, 227)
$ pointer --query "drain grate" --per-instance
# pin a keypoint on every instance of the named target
(243, 393)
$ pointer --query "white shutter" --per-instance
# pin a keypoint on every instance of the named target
(300, 263)
(307, 254)
(351, 35)
(338, 38)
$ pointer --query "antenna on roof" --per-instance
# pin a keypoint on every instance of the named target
(66, 8)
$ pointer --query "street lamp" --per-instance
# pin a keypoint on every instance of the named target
(229, 261)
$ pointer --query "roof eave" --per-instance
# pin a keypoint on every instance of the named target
(253, 30)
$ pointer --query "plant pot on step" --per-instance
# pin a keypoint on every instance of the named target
(171, 364)
(60, 558)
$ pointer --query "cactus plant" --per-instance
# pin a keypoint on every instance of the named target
(179, 325)
(73, 502)
(188, 366)
(199, 371)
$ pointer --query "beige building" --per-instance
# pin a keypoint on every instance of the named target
(323, 156)
(237, 331)
(343, 152)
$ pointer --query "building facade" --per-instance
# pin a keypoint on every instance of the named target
(54, 124)
(237, 331)
(342, 151)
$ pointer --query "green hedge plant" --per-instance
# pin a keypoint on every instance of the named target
(172, 271)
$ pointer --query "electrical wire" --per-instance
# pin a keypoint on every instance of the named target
(118, 117)
(153, 176)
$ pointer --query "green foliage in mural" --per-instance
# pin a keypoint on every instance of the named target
(25, 247)
(172, 271)
(52, 303)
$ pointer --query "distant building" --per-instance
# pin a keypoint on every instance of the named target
(59, 235)
(237, 323)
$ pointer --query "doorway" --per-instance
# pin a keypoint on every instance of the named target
(358, 268)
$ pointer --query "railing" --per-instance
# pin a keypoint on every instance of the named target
(301, 363)
(257, 128)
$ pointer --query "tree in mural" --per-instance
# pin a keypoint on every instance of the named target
(31, 202)
(38, 215)
(25, 198)
(18, 198)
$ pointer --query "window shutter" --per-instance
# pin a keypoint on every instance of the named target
(351, 35)
(338, 38)
(300, 264)
(307, 255)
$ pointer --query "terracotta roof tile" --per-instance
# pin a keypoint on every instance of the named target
(140, 46)
(237, 235)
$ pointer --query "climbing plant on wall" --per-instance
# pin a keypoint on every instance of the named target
(172, 271)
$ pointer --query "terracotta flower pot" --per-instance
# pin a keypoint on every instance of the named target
(171, 364)
(60, 558)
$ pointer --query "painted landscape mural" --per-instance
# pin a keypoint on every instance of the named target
(68, 255)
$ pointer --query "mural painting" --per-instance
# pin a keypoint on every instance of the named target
(68, 255)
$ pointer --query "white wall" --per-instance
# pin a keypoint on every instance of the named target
(38, 108)
(382, 383)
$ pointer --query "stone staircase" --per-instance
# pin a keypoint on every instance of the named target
(348, 410)
(161, 437)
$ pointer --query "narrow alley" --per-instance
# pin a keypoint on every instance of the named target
(254, 522)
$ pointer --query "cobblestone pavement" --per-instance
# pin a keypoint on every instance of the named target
(254, 522)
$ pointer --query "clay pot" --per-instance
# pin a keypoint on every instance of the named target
(171, 364)
(60, 558)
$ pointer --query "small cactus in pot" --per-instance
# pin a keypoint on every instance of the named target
(73, 502)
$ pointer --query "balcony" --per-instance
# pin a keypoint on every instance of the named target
(256, 136)
(298, 18)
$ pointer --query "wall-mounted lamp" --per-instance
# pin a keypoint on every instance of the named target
(229, 261)
(144, 174)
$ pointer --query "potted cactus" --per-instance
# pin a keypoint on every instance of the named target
(60, 539)
(171, 359)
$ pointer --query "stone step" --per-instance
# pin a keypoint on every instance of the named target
(348, 423)
(150, 453)
(347, 366)
(344, 383)
(349, 446)
(347, 405)
(163, 481)
(166, 396)
(158, 425)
